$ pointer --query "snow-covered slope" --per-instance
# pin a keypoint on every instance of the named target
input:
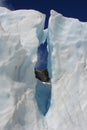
(68, 68)
(21, 32)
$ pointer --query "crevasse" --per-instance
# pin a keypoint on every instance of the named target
(21, 32)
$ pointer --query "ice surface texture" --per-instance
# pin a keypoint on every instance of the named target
(68, 66)
(21, 32)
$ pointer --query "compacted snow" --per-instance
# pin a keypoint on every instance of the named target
(23, 98)
(68, 68)
(21, 32)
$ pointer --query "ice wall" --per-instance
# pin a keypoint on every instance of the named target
(21, 32)
(68, 69)
(19, 40)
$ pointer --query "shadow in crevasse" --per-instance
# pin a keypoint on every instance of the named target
(42, 57)
(43, 86)
(43, 96)
(41, 71)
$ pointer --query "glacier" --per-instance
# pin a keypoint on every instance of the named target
(67, 42)
(21, 33)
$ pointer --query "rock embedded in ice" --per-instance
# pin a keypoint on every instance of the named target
(42, 75)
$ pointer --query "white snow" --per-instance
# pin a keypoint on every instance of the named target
(68, 57)
(21, 32)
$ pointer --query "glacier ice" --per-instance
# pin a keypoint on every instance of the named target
(67, 42)
(21, 32)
